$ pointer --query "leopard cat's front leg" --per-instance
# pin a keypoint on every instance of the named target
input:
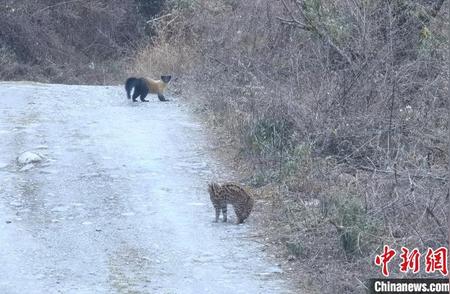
(217, 209)
(224, 212)
(239, 214)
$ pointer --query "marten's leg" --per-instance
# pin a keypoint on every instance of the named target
(136, 94)
(161, 97)
(144, 94)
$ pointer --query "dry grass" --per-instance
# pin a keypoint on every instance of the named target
(67, 42)
(337, 112)
(162, 58)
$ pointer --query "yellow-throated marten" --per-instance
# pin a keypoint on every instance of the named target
(143, 86)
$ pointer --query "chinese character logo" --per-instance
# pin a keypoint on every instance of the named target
(436, 260)
(410, 260)
(384, 259)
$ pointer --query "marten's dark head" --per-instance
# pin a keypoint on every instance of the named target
(166, 79)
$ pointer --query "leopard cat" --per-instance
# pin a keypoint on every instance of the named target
(229, 193)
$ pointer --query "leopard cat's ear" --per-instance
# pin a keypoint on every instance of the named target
(211, 188)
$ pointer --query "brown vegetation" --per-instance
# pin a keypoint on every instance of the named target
(339, 110)
(66, 41)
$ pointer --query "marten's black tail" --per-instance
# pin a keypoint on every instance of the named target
(129, 85)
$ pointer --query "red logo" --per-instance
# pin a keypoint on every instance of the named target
(384, 259)
(436, 260)
(410, 260)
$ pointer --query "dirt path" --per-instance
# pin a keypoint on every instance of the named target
(119, 204)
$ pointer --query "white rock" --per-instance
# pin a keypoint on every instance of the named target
(274, 270)
(127, 213)
(312, 203)
(15, 203)
(29, 157)
(60, 208)
(27, 167)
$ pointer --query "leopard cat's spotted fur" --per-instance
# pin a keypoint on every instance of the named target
(229, 193)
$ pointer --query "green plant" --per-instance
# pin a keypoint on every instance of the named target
(295, 248)
(181, 4)
(297, 159)
(351, 220)
(268, 137)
